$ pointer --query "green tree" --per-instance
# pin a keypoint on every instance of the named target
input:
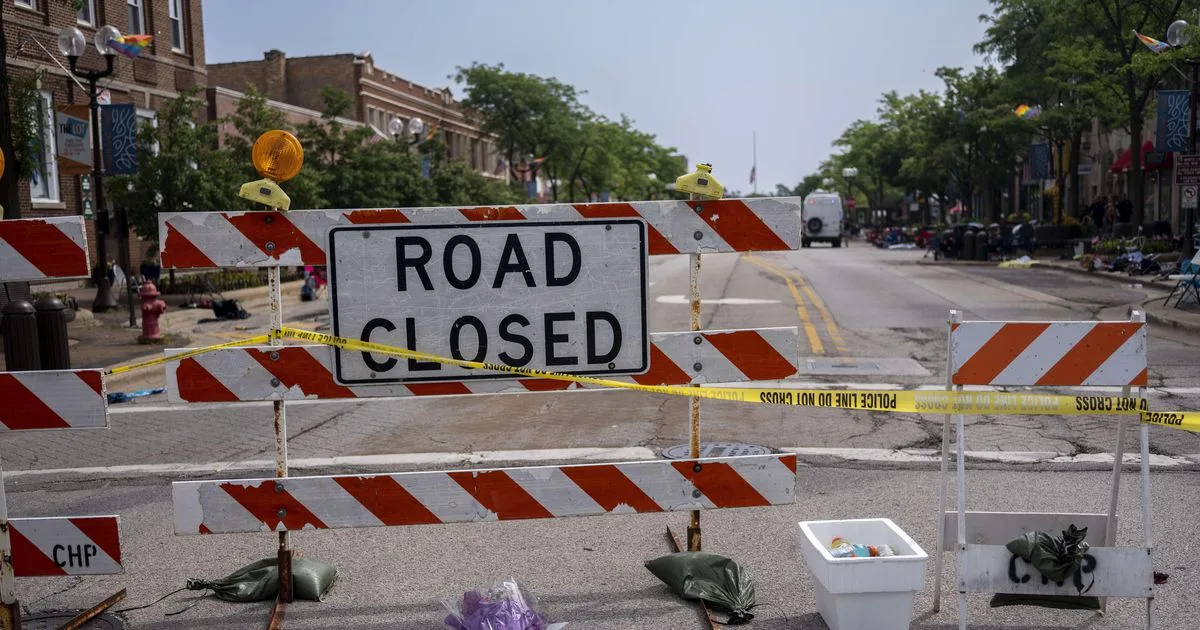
(178, 168)
(351, 170)
(1101, 32)
(810, 183)
(588, 154)
(531, 115)
(252, 118)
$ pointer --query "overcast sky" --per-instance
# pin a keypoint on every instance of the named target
(702, 75)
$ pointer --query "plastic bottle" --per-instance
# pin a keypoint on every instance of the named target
(839, 548)
(885, 551)
(864, 551)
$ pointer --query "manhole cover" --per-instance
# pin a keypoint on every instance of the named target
(715, 449)
(51, 621)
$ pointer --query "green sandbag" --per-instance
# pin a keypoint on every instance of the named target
(259, 581)
(1057, 558)
(709, 577)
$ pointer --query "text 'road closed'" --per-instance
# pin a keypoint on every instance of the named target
(564, 296)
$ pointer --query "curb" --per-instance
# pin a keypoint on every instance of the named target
(811, 457)
(1126, 280)
(115, 383)
(1155, 318)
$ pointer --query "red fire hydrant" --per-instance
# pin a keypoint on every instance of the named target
(152, 309)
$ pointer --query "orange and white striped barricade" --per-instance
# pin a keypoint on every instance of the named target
(258, 373)
(32, 250)
(375, 253)
(43, 249)
(1045, 354)
(470, 496)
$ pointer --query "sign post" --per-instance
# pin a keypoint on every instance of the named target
(1187, 173)
(1187, 170)
(1187, 197)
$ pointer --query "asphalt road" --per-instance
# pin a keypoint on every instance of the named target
(588, 571)
(867, 318)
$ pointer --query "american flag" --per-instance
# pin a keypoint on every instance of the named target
(753, 174)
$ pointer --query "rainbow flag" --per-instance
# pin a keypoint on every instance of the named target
(1026, 112)
(1151, 43)
(131, 45)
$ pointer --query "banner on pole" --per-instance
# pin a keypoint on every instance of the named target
(74, 148)
(1039, 161)
(1174, 110)
(118, 128)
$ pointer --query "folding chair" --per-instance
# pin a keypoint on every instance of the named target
(1187, 282)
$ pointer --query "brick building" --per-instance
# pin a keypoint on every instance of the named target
(379, 97)
(222, 102)
(174, 62)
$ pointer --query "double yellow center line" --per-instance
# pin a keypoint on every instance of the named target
(797, 284)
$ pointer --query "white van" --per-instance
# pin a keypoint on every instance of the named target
(821, 219)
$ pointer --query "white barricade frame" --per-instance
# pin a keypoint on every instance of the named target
(1064, 354)
(45, 249)
(273, 237)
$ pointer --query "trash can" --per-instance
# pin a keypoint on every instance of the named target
(856, 593)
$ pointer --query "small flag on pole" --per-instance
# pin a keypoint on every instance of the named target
(753, 174)
(131, 45)
(1151, 43)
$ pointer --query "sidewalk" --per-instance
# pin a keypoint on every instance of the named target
(1186, 318)
(1157, 312)
(106, 340)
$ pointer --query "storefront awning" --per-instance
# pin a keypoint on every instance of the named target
(1151, 160)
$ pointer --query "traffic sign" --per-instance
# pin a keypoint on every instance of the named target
(1187, 170)
(1188, 197)
(556, 295)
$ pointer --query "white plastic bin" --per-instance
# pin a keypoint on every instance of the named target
(860, 593)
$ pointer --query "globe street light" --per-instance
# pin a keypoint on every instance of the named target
(414, 129)
(1178, 36)
(72, 44)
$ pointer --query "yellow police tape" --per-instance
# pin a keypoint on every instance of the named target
(250, 341)
(968, 403)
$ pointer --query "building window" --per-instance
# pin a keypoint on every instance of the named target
(148, 117)
(175, 13)
(43, 183)
(87, 13)
(28, 4)
(137, 17)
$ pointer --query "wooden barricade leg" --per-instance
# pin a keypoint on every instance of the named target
(10, 611)
(281, 464)
(693, 530)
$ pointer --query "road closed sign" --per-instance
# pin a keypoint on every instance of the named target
(560, 296)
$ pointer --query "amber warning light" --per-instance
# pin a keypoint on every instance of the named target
(277, 156)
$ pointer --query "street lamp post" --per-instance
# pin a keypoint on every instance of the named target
(1178, 35)
(415, 127)
(72, 44)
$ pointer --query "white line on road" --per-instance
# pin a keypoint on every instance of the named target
(827, 456)
(733, 301)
